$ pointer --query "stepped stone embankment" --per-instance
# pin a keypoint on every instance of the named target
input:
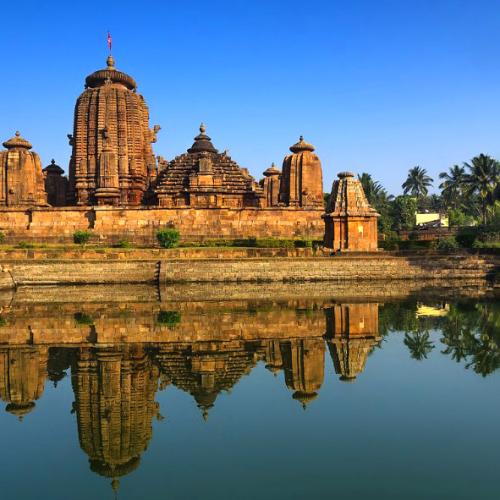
(49, 267)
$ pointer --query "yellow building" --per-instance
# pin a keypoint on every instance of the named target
(441, 220)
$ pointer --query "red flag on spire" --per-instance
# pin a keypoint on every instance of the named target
(110, 41)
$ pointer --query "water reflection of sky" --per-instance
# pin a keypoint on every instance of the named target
(250, 399)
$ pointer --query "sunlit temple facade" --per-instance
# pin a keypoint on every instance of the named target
(113, 165)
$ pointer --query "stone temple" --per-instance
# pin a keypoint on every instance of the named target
(203, 177)
(112, 162)
(350, 221)
(118, 189)
(21, 177)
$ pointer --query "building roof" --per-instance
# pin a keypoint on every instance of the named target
(271, 171)
(17, 142)
(301, 146)
(202, 142)
(175, 177)
(53, 168)
(110, 74)
(348, 197)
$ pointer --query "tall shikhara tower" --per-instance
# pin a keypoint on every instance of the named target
(112, 161)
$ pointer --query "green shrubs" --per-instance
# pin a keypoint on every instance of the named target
(168, 318)
(123, 244)
(448, 244)
(25, 244)
(479, 237)
(303, 243)
(83, 319)
(2, 237)
(168, 238)
(81, 237)
(392, 242)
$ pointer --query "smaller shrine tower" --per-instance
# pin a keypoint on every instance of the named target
(350, 221)
(56, 184)
(271, 186)
(21, 177)
(302, 178)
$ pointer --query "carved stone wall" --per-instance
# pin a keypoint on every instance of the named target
(112, 161)
(350, 221)
(302, 177)
(271, 186)
(139, 225)
(21, 177)
(205, 178)
(56, 185)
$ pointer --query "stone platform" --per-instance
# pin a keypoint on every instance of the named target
(139, 226)
(163, 267)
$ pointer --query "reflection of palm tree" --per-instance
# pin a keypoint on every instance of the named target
(486, 357)
(473, 334)
(419, 344)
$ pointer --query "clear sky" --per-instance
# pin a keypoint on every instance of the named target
(377, 86)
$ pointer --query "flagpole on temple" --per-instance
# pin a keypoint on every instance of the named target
(110, 42)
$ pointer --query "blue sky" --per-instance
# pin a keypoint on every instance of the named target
(376, 86)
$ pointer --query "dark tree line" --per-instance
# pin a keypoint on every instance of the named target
(469, 194)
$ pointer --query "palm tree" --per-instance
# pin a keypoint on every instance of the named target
(483, 179)
(453, 185)
(370, 187)
(417, 183)
(379, 199)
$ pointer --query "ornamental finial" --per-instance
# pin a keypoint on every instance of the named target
(110, 61)
(203, 128)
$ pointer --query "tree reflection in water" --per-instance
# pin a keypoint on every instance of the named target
(470, 331)
(124, 355)
(472, 334)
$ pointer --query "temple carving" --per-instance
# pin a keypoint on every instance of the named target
(112, 161)
(302, 177)
(271, 186)
(203, 177)
(113, 165)
(21, 178)
(350, 221)
(56, 184)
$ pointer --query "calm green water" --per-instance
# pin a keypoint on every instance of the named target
(302, 399)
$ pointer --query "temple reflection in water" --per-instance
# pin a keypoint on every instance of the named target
(202, 350)
(120, 355)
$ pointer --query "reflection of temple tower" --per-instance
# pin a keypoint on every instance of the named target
(204, 369)
(274, 360)
(351, 332)
(22, 376)
(114, 402)
(303, 363)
